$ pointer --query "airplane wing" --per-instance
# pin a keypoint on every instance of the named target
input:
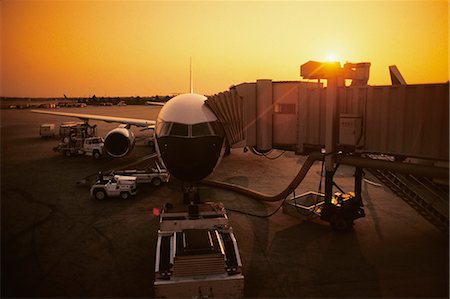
(155, 103)
(110, 119)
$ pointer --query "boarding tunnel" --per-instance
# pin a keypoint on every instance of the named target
(401, 121)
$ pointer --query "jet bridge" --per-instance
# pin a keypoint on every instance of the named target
(407, 122)
(402, 121)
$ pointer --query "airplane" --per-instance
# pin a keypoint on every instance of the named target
(188, 136)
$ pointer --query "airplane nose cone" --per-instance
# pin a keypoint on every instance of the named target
(190, 159)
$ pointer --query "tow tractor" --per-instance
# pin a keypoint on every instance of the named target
(197, 255)
(123, 186)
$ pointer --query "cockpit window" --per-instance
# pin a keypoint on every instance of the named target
(201, 129)
(179, 130)
(183, 130)
(163, 129)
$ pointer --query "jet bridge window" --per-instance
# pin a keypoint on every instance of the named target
(284, 108)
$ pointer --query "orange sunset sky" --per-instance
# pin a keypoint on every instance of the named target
(142, 48)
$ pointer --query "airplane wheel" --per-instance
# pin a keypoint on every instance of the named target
(99, 194)
(96, 155)
(124, 195)
(156, 182)
(67, 153)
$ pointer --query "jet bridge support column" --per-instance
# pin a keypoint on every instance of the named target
(330, 136)
(340, 210)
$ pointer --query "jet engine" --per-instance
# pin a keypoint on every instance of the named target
(119, 142)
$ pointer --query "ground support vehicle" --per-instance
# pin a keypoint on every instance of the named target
(123, 186)
(76, 130)
(154, 175)
(340, 212)
(47, 130)
(197, 254)
(92, 146)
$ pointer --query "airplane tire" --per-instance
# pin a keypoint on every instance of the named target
(156, 182)
(67, 153)
(99, 194)
(124, 195)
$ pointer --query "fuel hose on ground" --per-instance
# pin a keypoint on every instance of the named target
(260, 196)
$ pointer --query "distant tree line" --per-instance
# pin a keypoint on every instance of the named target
(102, 101)
(94, 100)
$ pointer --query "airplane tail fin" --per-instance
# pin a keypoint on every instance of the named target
(396, 77)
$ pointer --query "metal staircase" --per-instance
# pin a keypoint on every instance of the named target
(426, 197)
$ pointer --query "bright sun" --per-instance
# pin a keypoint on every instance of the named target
(332, 57)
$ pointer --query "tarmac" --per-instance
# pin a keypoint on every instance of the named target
(56, 241)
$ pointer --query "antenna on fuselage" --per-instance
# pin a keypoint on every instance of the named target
(191, 79)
